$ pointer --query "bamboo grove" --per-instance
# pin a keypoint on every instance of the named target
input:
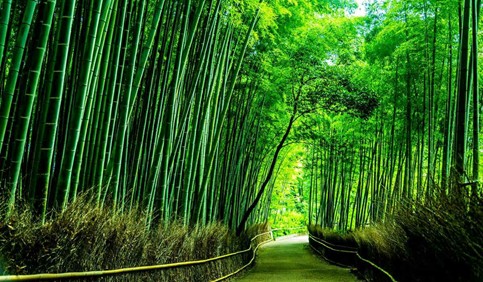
(421, 144)
(134, 102)
(184, 109)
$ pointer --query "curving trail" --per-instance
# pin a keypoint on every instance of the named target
(290, 259)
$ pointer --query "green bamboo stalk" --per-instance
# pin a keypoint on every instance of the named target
(30, 95)
(77, 116)
(91, 97)
(232, 84)
(4, 19)
(200, 99)
(124, 107)
(14, 68)
(476, 98)
(56, 98)
(146, 51)
(99, 113)
(212, 114)
(36, 191)
(148, 123)
(110, 92)
(111, 147)
(157, 148)
(460, 142)
(163, 150)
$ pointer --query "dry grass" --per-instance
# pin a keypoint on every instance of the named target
(258, 229)
(339, 241)
(85, 238)
(438, 242)
(332, 236)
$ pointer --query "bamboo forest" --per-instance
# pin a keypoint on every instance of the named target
(174, 134)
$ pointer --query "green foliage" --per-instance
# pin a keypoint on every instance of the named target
(132, 99)
(186, 109)
(338, 93)
(289, 201)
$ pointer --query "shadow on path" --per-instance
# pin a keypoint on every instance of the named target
(290, 259)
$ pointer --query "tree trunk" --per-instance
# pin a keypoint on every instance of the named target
(268, 177)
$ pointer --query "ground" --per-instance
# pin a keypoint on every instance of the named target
(290, 259)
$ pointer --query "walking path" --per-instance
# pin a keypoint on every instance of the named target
(291, 259)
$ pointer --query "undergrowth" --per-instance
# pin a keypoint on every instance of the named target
(85, 237)
(434, 242)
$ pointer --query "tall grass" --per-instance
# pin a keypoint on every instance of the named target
(434, 242)
(85, 237)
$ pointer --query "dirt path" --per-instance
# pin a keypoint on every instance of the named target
(291, 259)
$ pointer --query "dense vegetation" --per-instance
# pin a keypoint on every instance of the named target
(394, 138)
(134, 100)
(85, 237)
(412, 146)
(376, 101)
(235, 112)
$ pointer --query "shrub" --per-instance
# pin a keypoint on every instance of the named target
(85, 237)
(431, 242)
